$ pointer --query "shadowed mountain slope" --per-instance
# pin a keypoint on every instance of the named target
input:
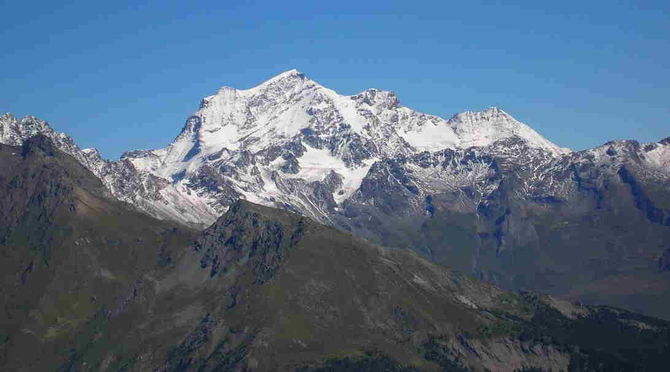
(591, 226)
(480, 192)
(70, 257)
(90, 284)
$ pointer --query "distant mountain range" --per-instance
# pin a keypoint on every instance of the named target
(480, 192)
(89, 283)
(278, 144)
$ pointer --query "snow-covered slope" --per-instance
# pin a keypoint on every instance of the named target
(149, 193)
(13, 131)
(289, 139)
(290, 106)
(480, 192)
(292, 143)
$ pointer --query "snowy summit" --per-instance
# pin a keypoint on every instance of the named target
(289, 142)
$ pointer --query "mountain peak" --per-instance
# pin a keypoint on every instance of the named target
(494, 110)
(14, 130)
(480, 128)
(286, 80)
(290, 77)
(289, 73)
(487, 114)
(288, 142)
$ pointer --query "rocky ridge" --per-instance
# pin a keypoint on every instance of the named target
(480, 191)
(288, 142)
(91, 284)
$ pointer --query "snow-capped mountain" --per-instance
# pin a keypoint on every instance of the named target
(146, 191)
(480, 191)
(293, 143)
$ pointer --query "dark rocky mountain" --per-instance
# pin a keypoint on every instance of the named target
(70, 255)
(88, 283)
(480, 192)
(592, 225)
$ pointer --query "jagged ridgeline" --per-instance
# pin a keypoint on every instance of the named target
(90, 283)
(480, 192)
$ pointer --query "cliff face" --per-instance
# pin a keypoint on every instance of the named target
(91, 284)
(480, 192)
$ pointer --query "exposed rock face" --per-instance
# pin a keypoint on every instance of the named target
(91, 284)
(480, 192)
(147, 192)
(260, 242)
(293, 143)
(288, 142)
(589, 225)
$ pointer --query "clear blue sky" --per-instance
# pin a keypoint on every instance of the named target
(120, 76)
